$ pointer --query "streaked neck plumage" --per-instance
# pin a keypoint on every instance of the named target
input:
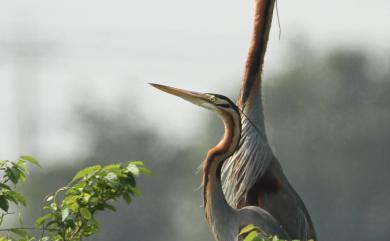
(215, 205)
(253, 156)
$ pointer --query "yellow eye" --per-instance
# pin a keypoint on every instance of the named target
(212, 98)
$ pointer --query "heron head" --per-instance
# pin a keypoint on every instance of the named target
(214, 102)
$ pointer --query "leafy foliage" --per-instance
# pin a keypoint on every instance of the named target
(13, 172)
(253, 233)
(91, 190)
(70, 211)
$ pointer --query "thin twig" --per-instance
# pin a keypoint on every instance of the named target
(277, 14)
(23, 228)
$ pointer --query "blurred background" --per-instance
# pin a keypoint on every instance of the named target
(74, 92)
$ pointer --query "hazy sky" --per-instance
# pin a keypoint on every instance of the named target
(57, 53)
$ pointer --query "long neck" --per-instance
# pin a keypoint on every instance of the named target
(251, 82)
(215, 203)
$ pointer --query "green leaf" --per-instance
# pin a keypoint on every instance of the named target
(74, 206)
(53, 206)
(19, 232)
(145, 170)
(111, 177)
(79, 186)
(85, 213)
(127, 198)
(133, 169)
(71, 202)
(49, 198)
(22, 175)
(253, 236)
(247, 229)
(90, 229)
(136, 191)
(108, 206)
(4, 186)
(4, 203)
(13, 173)
(138, 163)
(130, 180)
(86, 197)
(112, 181)
(64, 214)
(17, 197)
(31, 160)
(42, 220)
(112, 167)
(87, 171)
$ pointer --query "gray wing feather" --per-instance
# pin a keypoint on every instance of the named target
(241, 171)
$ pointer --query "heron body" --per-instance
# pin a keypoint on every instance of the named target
(253, 175)
(225, 221)
(243, 181)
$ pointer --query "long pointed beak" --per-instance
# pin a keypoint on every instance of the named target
(191, 96)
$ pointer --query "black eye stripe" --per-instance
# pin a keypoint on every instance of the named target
(229, 104)
(223, 105)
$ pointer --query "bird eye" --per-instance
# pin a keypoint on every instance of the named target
(212, 98)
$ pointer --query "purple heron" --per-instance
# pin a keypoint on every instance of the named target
(253, 175)
(225, 221)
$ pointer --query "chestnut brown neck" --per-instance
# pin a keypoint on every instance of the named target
(251, 82)
(215, 158)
